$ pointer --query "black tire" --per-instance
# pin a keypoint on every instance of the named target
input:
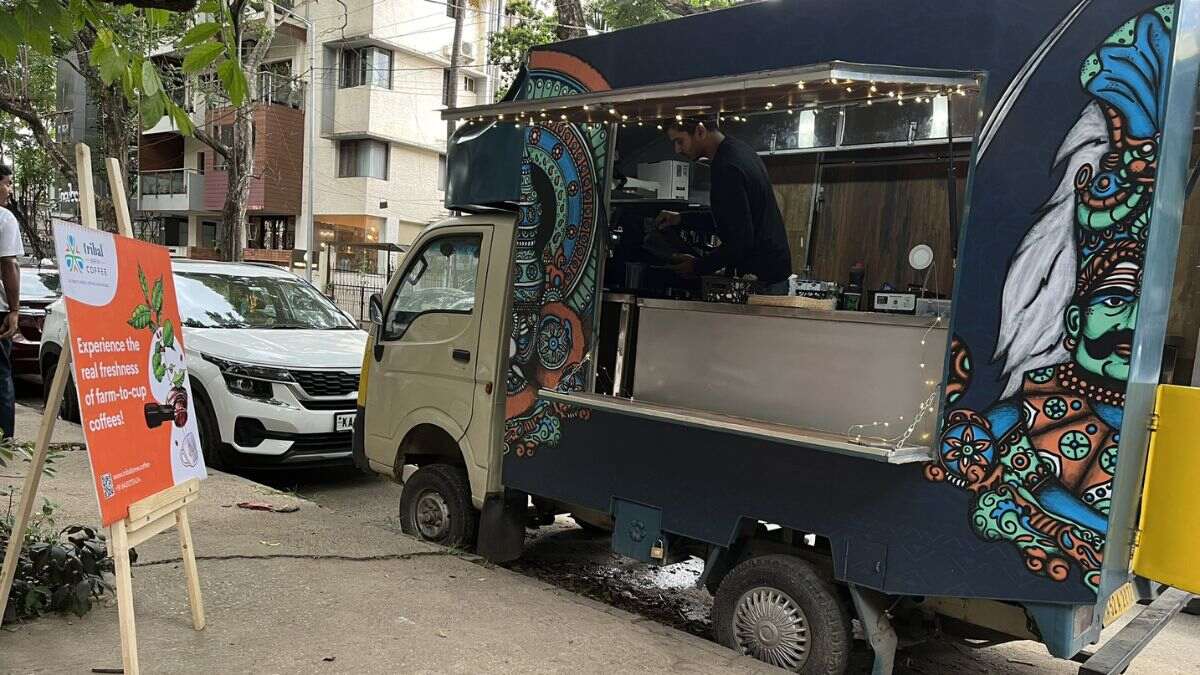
(216, 454)
(436, 507)
(783, 585)
(591, 529)
(69, 408)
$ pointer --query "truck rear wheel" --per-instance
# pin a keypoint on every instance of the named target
(778, 609)
(436, 506)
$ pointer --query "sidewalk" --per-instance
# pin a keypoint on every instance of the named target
(315, 592)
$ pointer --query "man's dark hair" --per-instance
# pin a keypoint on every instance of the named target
(5, 170)
(688, 124)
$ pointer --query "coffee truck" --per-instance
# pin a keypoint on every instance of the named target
(955, 415)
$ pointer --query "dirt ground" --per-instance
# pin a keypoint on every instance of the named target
(568, 557)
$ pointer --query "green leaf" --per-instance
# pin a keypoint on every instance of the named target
(183, 121)
(158, 17)
(152, 110)
(201, 56)
(151, 85)
(143, 284)
(234, 80)
(156, 296)
(178, 381)
(209, 7)
(107, 58)
(168, 336)
(11, 36)
(160, 371)
(141, 317)
(199, 33)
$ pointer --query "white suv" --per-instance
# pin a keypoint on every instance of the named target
(274, 365)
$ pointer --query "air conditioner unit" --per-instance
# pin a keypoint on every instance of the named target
(466, 52)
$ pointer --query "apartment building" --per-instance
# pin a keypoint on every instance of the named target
(381, 78)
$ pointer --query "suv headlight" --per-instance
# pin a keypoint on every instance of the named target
(248, 379)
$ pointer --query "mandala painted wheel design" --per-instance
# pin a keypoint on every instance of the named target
(1075, 445)
(1055, 408)
(555, 339)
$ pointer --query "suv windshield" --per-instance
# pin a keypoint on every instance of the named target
(39, 284)
(209, 300)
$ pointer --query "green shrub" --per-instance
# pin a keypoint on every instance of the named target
(60, 570)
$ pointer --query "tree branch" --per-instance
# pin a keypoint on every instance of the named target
(211, 141)
(679, 7)
(31, 118)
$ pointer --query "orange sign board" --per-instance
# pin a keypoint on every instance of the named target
(129, 367)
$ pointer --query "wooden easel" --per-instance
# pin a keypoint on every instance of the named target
(148, 517)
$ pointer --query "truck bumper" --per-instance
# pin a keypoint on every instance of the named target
(1117, 653)
(358, 446)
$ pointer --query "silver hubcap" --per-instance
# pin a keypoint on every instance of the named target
(432, 516)
(771, 627)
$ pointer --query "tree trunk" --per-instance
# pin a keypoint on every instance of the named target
(455, 57)
(570, 20)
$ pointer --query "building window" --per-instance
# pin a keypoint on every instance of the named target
(208, 234)
(175, 232)
(446, 86)
(453, 7)
(200, 163)
(469, 84)
(366, 65)
(271, 232)
(442, 166)
(363, 158)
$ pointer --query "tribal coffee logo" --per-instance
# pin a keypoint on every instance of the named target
(73, 259)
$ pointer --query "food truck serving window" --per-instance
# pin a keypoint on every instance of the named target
(866, 165)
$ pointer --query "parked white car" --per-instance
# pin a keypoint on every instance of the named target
(274, 365)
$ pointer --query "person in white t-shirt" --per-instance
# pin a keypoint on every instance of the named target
(10, 299)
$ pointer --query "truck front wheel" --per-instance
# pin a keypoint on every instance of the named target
(436, 506)
(778, 609)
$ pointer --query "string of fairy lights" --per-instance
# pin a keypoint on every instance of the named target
(878, 430)
(855, 93)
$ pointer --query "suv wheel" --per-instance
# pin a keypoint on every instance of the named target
(216, 454)
(69, 408)
(436, 506)
(778, 609)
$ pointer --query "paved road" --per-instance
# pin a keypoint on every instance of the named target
(566, 557)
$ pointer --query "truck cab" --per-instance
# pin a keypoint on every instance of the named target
(432, 368)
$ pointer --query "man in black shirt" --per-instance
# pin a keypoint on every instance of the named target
(753, 239)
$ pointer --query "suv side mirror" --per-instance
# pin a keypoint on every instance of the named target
(375, 308)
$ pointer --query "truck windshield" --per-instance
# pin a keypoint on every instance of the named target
(233, 301)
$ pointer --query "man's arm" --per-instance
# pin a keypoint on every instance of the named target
(10, 274)
(734, 223)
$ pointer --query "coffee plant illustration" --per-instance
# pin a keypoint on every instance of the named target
(166, 359)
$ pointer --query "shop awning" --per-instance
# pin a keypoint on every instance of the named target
(827, 84)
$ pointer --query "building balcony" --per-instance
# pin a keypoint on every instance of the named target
(173, 190)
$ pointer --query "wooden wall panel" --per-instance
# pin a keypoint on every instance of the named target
(876, 213)
(159, 152)
(793, 178)
(277, 186)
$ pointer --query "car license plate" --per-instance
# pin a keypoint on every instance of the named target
(343, 421)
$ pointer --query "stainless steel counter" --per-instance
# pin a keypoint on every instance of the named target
(784, 312)
(821, 371)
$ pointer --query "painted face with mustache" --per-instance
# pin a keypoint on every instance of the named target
(1100, 324)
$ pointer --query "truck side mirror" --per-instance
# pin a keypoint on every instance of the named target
(375, 308)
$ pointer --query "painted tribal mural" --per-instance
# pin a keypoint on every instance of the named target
(555, 282)
(1039, 462)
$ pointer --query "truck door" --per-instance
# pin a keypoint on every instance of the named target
(423, 368)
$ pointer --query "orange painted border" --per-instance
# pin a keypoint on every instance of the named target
(571, 66)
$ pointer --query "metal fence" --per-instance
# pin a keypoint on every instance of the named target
(351, 289)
